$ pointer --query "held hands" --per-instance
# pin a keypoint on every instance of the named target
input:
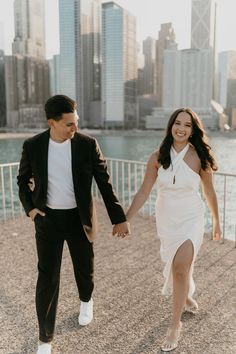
(216, 232)
(34, 212)
(121, 230)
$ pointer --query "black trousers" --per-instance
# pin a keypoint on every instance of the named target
(51, 232)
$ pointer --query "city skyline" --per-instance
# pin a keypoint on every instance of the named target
(148, 22)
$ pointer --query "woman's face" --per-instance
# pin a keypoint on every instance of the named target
(182, 128)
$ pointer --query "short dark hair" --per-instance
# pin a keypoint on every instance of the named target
(57, 105)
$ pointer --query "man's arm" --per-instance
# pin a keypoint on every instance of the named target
(23, 180)
(113, 206)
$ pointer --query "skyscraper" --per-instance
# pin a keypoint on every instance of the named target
(67, 58)
(187, 79)
(227, 71)
(2, 42)
(203, 24)
(231, 102)
(27, 88)
(119, 66)
(203, 33)
(26, 71)
(189, 75)
(149, 70)
(54, 70)
(187, 82)
(29, 40)
(166, 40)
(2, 91)
(80, 54)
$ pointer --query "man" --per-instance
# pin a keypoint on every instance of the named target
(55, 179)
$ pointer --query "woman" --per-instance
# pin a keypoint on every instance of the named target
(183, 160)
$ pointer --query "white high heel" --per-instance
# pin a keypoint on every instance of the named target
(193, 308)
(171, 344)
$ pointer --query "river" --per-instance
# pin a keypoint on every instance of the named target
(136, 147)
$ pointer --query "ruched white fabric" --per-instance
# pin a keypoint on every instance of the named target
(179, 213)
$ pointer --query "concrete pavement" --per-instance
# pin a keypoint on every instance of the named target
(130, 314)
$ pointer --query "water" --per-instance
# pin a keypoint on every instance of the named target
(136, 148)
(139, 147)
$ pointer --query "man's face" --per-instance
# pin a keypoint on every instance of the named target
(64, 128)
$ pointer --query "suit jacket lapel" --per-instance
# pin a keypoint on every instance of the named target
(44, 157)
(75, 161)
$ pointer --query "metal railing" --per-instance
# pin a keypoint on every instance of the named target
(10, 205)
(126, 177)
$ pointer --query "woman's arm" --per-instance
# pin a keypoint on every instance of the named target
(210, 195)
(146, 187)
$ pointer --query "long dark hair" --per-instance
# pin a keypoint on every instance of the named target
(198, 139)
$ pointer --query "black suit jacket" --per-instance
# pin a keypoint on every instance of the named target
(87, 162)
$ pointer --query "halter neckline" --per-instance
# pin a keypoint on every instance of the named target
(181, 151)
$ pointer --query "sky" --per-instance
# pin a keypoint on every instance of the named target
(149, 14)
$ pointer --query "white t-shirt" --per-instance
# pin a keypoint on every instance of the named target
(60, 194)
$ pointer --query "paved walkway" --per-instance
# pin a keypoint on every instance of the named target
(131, 316)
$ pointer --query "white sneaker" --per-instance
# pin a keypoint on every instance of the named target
(86, 312)
(44, 348)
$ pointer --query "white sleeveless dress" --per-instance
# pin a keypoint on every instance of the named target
(179, 213)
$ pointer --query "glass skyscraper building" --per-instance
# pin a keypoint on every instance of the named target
(67, 48)
(29, 40)
(2, 91)
(203, 33)
(149, 69)
(26, 70)
(80, 54)
(119, 67)
(203, 24)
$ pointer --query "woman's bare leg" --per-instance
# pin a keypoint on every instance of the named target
(180, 270)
